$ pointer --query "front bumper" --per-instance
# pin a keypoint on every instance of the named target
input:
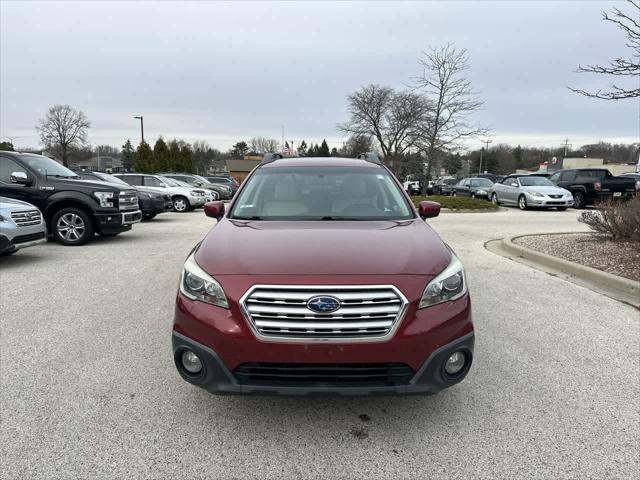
(224, 341)
(21, 241)
(549, 202)
(197, 201)
(117, 221)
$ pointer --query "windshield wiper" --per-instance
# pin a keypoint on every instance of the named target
(255, 217)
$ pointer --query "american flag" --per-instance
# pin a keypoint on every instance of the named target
(287, 149)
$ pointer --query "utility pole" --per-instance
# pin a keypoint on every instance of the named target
(141, 118)
(487, 142)
(566, 145)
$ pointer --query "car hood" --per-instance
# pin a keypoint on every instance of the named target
(547, 190)
(93, 184)
(11, 203)
(235, 247)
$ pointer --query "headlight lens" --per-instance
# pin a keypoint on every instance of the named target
(450, 284)
(105, 198)
(535, 194)
(197, 284)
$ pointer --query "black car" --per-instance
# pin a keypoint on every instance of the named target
(73, 209)
(151, 202)
(592, 185)
(444, 186)
(474, 187)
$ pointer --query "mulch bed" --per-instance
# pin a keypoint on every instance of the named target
(593, 250)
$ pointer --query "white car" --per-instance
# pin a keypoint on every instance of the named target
(183, 198)
(526, 191)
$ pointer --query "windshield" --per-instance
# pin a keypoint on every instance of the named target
(321, 193)
(47, 166)
(172, 182)
(536, 182)
(481, 182)
(450, 181)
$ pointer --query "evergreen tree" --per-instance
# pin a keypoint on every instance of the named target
(239, 150)
(324, 151)
(334, 152)
(302, 149)
(7, 146)
(518, 157)
(143, 158)
(160, 156)
(173, 155)
(127, 156)
(185, 158)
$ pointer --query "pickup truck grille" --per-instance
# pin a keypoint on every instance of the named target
(128, 200)
(365, 312)
(27, 218)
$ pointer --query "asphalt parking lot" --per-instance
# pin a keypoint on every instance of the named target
(89, 389)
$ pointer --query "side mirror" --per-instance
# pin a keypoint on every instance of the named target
(216, 210)
(20, 178)
(427, 209)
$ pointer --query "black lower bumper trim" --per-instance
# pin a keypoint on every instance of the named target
(216, 378)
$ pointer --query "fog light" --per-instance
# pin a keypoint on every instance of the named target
(191, 362)
(455, 363)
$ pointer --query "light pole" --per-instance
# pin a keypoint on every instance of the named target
(481, 150)
(141, 118)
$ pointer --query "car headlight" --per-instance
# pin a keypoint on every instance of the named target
(194, 193)
(450, 284)
(197, 284)
(535, 194)
(105, 198)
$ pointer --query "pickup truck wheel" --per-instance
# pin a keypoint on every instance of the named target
(181, 204)
(72, 226)
(522, 202)
(494, 199)
(578, 200)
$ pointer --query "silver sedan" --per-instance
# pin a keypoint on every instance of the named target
(527, 191)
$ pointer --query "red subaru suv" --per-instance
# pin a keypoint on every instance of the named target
(321, 278)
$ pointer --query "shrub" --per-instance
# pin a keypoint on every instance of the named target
(619, 219)
(457, 203)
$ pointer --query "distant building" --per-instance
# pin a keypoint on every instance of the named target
(239, 169)
(101, 163)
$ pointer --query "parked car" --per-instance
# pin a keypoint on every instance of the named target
(444, 186)
(592, 185)
(296, 290)
(412, 187)
(224, 191)
(635, 176)
(151, 202)
(527, 191)
(183, 198)
(229, 181)
(73, 209)
(21, 226)
(209, 195)
(472, 187)
(491, 176)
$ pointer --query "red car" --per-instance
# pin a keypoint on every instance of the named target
(322, 279)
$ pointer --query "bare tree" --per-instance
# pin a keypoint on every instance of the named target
(393, 118)
(63, 127)
(263, 145)
(621, 67)
(452, 98)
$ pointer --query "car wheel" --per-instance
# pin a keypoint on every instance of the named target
(72, 226)
(494, 199)
(149, 216)
(522, 202)
(181, 204)
(6, 254)
(454, 194)
(578, 200)
(473, 195)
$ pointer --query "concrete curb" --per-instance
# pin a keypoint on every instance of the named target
(605, 281)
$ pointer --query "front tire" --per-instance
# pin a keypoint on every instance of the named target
(494, 199)
(454, 194)
(579, 200)
(473, 195)
(72, 226)
(181, 204)
(522, 202)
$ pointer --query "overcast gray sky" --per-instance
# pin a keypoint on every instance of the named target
(223, 72)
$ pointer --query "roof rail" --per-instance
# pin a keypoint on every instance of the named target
(270, 157)
(370, 157)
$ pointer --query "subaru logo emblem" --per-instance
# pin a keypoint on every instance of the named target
(323, 304)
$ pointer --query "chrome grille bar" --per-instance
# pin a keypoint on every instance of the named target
(280, 312)
(27, 218)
